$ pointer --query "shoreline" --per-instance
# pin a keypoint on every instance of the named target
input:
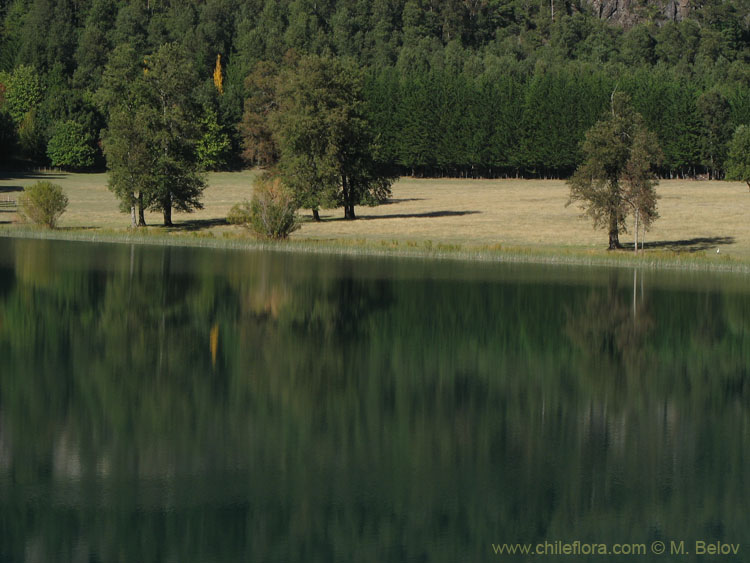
(403, 248)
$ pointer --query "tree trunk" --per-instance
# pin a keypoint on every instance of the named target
(141, 217)
(167, 215)
(635, 248)
(133, 222)
(316, 215)
(348, 203)
(614, 234)
(168, 211)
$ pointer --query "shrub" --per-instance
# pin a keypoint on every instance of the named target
(43, 203)
(271, 213)
(239, 214)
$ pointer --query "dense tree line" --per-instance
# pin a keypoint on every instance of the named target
(479, 88)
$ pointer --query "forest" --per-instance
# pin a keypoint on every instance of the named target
(474, 88)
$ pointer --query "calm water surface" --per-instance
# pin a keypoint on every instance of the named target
(213, 406)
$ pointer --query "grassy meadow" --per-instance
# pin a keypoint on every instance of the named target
(697, 217)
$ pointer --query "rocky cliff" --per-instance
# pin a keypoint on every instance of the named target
(629, 12)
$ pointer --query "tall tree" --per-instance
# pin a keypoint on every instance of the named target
(168, 84)
(639, 180)
(714, 112)
(328, 149)
(619, 153)
(130, 161)
(154, 130)
(259, 147)
(738, 163)
(126, 143)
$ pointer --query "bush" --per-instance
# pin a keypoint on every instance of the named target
(43, 203)
(271, 213)
(239, 214)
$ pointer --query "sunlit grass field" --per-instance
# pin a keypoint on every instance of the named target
(697, 217)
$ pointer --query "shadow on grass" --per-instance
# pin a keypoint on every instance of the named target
(688, 245)
(10, 189)
(401, 200)
(8, 175)
(193, 225)
(427, 215)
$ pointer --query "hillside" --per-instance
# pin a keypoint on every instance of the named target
(460, 88)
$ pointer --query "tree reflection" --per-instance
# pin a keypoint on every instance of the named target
(175, 404)
(612, 329)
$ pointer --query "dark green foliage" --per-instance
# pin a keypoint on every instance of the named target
(43, 203)
(151, 144)
(94, 44)
(7, 136)
(167, 86)
(259, 146)
(616, 174)
(328, 147)
(738, 163)
(130, 161)
(71, 146)
(713, 111)
(474, 88)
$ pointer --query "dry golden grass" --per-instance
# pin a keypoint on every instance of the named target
(695, 215)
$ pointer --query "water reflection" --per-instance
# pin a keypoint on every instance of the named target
(191, 405)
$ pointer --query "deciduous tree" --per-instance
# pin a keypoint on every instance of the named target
(615, 176)
(738, 164)
(71, 146)
(168, 83)
(129, 154)
(130, 162)
(327, 145)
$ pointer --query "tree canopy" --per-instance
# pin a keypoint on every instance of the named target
(328, 151)
(452, 88)
(616, 175)
(152, 140)
(738, 167)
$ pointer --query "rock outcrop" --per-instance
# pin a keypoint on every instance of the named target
(629, 12)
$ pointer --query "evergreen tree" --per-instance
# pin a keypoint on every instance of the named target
(259, 147)
(713, 109)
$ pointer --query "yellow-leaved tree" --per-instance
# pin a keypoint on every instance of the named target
(218, 79)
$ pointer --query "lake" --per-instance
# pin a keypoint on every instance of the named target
(196, 405)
